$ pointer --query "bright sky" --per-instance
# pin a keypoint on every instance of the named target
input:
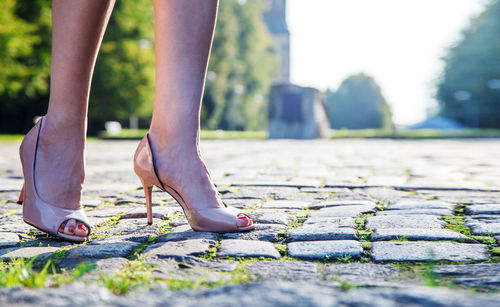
(398, 42)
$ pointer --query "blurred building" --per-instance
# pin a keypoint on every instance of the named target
(297, 112)
(294, 111)
(275, 18)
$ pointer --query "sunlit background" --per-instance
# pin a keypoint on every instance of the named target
(282, 68)
(399, 43)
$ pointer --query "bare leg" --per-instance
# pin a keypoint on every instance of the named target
(183, 37)
(78, 28)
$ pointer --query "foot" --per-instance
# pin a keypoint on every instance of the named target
(182, 167)
(59, 171)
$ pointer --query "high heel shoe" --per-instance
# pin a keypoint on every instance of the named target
(36, 212)
(215, 219)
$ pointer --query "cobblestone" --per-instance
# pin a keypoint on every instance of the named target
(425, 251)
(247, 248)
(325, 249)
(413, 234)
(317, 202)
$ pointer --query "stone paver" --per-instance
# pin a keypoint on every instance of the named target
(401, 221)
(344, 211)
(343, 203)
(273, 216)
(179, 248)
(483, 209)
(424, 251)
(437, 212)
(286, 270)
(285, 204)
(484, 224)
(307, 198)
(418, 234)
(262, 232)
(186, 233)
(327, 231)
(8, 239)
(119, 249)
(419, 204)
(483, 275)
(27, 252)
(365, 274)
(247, 248)
(325, 249)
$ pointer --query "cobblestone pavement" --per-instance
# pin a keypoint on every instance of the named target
(344, 222)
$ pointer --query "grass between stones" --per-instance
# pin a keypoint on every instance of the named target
(103, 227)
(457, 223)
(20, 272)
(137, 274)
(364, 235)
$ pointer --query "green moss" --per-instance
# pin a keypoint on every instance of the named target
(400, 239)
(364, 235)
(484, 239)
(495, 250)
(9, 213)
(132, 275)
(303, 213)
(282, 248)
(103, 227)
(457, 223)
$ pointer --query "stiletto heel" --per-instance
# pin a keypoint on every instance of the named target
(148, 191)
(21, 196)
(212, 219)
(36, 212)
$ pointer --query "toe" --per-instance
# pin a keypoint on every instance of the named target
(81, 230)
(244, 220)
(70, 227)
(63, 225)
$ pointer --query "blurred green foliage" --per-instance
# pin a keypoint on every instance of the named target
(358, 104)
(240, 69)
(470, 81)
(25, 28)
(124, 75)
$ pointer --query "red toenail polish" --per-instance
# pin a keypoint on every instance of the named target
(81, 227)
(242, 217)
(71, 230)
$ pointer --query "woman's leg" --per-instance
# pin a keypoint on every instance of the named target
(77, 30)
(183, 38)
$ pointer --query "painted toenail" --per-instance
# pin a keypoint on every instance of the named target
(71, 230)
(81, 227)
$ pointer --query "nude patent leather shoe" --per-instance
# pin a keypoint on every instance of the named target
(218, 219)
(36, 212)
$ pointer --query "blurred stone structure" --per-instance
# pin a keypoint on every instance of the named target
(275, 19)
(294, 112)
(297, 112)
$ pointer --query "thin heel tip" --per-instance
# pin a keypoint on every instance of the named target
(150, 223)
(19, 202)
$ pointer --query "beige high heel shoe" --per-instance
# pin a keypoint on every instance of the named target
(219, 219)
(36, 212)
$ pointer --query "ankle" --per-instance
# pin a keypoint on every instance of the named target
(167, 140)
(54, 130)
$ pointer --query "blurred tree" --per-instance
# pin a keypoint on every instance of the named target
(25, 62)
(240, 70)
(358, 104)
(469, 89)
(124, 76)
(239, 77)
